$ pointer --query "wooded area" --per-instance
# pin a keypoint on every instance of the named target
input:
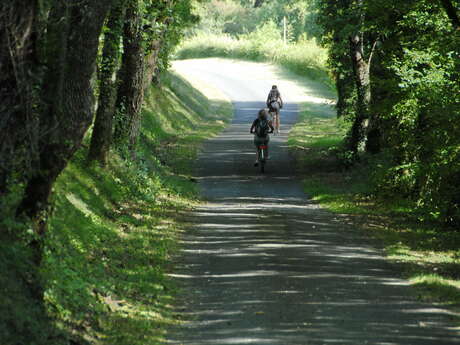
(395, 67)
(63, 65)
(49, 54)
(401, 94)
(68, 66)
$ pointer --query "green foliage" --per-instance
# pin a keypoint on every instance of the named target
(416, 95)
(111, 236)
(304, 58)
(360, 194)
(234, 29)
(170, 20)
(236, 18)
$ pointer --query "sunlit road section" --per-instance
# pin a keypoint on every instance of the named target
(261, 264)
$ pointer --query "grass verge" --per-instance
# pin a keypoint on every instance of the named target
(113, 232)
(430, 257)
(304, 58)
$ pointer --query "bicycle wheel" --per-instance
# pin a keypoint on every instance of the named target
(262, 158)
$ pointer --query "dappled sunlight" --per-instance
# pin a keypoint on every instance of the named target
(263, 264)
(316, 281)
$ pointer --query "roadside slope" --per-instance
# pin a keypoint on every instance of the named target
(113, 232)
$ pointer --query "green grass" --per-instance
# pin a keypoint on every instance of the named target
(429, 256)
(113, 233)
(304, 58)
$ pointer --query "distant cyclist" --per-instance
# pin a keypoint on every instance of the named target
(261, 127)
(274, 104)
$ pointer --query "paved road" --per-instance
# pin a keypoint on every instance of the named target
(261, 264)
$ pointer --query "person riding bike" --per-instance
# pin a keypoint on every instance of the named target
(261, 127)
(274, 104)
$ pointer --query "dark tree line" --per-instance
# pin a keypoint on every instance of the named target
(396, 68)
(63, 66)
(48, 64)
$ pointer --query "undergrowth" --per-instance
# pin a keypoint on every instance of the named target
(112, 234)
(428, 254)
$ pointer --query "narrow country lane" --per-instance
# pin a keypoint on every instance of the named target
(261, 264)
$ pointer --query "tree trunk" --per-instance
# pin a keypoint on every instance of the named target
(131, 90)
(152, 63)
(340, 84)
(73, 39)
(362, 80)
(19, 79)
(258, 3)
(101, 138)
(344, 82)
(451, 13)
(155, 46)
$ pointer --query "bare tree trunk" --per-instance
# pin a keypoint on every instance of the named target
(73, 39)
(131, 90)
(101, 138)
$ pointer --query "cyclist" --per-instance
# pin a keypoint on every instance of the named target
(275, 103)
(261, 127)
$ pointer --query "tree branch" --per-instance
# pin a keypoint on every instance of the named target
(374, 46)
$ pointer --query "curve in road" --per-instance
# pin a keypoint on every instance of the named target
(261, 264)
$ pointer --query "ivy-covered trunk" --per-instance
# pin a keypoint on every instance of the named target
(344, 77)
(151, 68)
(362, 80)
(103, 125)
(72, 44)
(131, 89)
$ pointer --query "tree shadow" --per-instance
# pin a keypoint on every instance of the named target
(262, 264)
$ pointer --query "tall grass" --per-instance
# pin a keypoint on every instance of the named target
(305, 57)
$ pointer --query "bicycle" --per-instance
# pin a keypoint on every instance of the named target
(262, 156)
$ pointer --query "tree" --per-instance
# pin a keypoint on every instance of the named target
(131, 78)
(72, 43)
(452, 13)
(19, 78)
(415, 93)
(101, 138)
(151, 31)
(351, 26)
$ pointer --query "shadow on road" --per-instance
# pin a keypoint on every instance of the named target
(281, 271)
(261, 264)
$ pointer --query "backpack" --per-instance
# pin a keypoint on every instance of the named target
(274, 106)
(273, 95)
(262, 128)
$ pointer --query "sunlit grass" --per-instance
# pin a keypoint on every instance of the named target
(429, 257)
(305, 58)
(114, 230)
(433, 287)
